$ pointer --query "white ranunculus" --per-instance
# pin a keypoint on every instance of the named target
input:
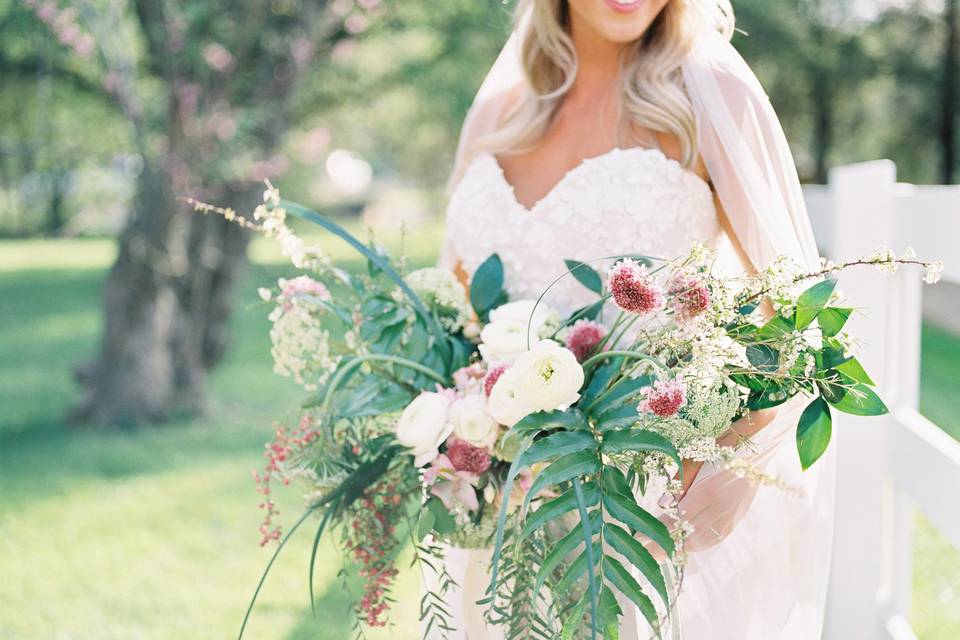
(472, 423)
(423, 426)
(548, 377)
(504, 403)
(504, 337)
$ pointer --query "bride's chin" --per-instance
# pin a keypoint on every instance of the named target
(618, 21)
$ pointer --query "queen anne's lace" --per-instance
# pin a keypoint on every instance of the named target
(625, 201)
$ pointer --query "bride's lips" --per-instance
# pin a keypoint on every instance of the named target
(624, 6)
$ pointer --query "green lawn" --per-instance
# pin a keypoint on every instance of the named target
(152, 533)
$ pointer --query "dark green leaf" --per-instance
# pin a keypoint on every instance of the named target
(585, 275)
(426, 524)
(574, 618)
(813, 432)
(609, 613)
(763, 357)
(548, 420)
(626, 510)
(776, 327)
(574, 571)
(622, 391)
(587, 312)
(832, 319)
(773, 396)
(486, 286)
(812, 301)
(618, 417)
(601, 378)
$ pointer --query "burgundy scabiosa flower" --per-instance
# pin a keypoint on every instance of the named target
(689, 296)
(466, 457)
(633, 289)
(664, 398)
(492, 376)
(583, 337)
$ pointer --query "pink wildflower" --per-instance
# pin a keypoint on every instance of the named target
(690, 297)
(633, 289)
(305, 286)
(492, 376)
(664, 398)
(583, 338)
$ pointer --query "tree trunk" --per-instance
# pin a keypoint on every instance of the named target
(166, 301)
(948, 138)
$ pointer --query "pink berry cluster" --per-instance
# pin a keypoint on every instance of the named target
(370, 540)
(285, 443)
(492, 376)
(466, 457)
(664, 398)
(689, 297)
(634, 290)
(583, 337)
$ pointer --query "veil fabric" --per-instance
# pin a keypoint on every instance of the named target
(759, 555)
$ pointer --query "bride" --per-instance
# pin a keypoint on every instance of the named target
(624, 126)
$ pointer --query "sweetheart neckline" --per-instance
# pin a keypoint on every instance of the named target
(646, 151)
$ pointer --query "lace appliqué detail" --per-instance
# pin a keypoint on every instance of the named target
(625, 201)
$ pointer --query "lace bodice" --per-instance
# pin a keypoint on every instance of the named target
(625, 201)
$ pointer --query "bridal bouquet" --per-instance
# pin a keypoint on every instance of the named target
(443, 415)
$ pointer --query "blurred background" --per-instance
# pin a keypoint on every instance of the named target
(135, 378)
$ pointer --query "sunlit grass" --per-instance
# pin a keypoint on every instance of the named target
(152, 533)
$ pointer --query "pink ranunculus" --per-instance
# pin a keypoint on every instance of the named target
(664, 398)
(492, 376)
(633, 289)
(689, 296)
(583, 338)
(465, 378)
(466, 457)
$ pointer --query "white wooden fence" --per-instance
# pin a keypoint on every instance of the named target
(890, 466)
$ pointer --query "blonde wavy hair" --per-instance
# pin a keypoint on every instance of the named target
(652, 86)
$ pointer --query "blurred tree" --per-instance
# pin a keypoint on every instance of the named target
(207, 89)
(948, 102)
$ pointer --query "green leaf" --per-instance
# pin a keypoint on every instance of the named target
(557, 444)
(622, 391)
(609, 613)
(763, 357)
(855, 371)
(626, 584)
(626, 510)
(568, 467)
(585, 275)
(574, 571)
(486, 286)
(564, 547)
(637, 440)
(588, 551)
(861, 400)
(812, 301)
(618, 417)
(638, 556)
(776, 327)
(588, 312)
(813, 432)
(832, 319)
(601, 378)
(547, 420)
(425, 524)
(574, 618)
(772, 396)
(553, 509)
(444, 522)
(832, 354)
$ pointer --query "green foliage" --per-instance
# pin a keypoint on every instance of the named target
(813, 432)
(585, 275)
(486, 287)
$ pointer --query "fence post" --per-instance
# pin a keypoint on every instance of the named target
(872, 540)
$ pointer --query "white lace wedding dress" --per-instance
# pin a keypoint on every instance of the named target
(745, 579)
